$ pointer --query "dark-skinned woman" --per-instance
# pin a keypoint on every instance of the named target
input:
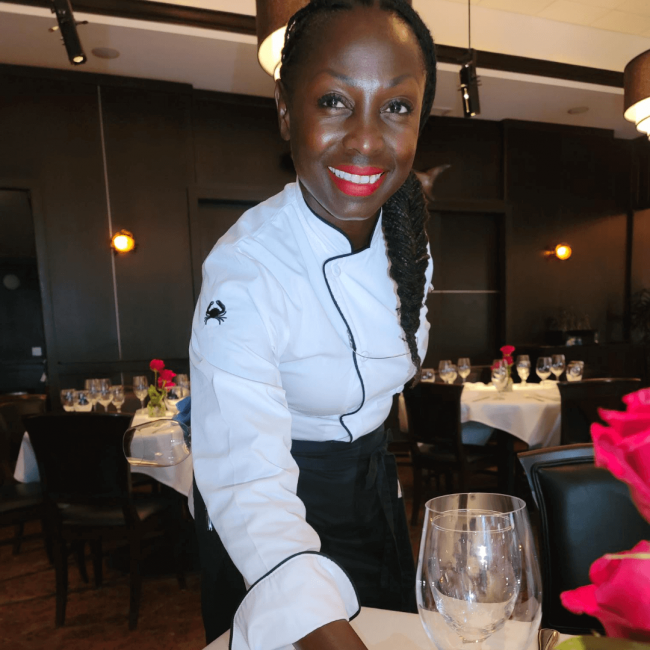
(320, 320)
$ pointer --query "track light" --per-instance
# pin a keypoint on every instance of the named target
(123, 242)
(469, 89)
(68, 28)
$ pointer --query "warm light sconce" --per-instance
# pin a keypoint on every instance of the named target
(561, 252)
(636, 83)
(123, 242)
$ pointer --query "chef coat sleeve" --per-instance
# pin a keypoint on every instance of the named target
(241, 440)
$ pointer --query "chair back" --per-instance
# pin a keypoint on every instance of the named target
(80, 457)
(584, 513)
(433, 412)
(581, 401)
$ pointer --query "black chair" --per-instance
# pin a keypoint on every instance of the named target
(435, 438)
(584, 513)
(87, 492)
(19, 502)
(581, 401)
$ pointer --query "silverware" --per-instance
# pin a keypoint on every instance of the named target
(547, 639)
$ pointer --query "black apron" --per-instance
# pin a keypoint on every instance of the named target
(350, 491)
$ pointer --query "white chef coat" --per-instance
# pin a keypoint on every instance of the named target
(306, 346)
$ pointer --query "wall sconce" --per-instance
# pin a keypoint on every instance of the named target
(636, 102)
(561, 252)
(123, 242)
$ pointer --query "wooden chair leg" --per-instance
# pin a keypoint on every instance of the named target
(136, 582)
(18, 537)
(417, 495)
(61, 573)
(98, 573)
(78, 549)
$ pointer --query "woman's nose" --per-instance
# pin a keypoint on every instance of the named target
(364, 134)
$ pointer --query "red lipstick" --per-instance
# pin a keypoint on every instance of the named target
(357, 189)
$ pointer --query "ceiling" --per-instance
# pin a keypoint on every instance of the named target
(603, 34)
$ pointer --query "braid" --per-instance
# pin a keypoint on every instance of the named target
(405, 214)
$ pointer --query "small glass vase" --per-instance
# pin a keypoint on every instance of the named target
(157, 410)
(508, 386)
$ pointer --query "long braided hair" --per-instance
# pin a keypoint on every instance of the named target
(404, 215)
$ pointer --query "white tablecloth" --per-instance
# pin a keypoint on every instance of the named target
(383, 630)
(178, 477)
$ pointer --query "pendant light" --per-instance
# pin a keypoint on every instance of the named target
(469, 81)
(637, 92)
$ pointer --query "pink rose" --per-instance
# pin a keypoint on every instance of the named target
(157, 365)
(507, 350)
(167, 375)
(619, 596)
(623, 447)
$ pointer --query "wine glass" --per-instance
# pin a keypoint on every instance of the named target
(160, 443)
(140, 388)
(117, 393)
(543, 368)
(174, 395)
(523, 368)
(443, 369)
(499, 376)
(574, 370)
(92, 386)
(428, 374)
(67, 399)
(452, 373)
(478, 575)
(183, 381)
(82, 401)
(558, 364)
(105, 396)
(464, 368)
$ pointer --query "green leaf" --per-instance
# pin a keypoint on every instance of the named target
(600, 643)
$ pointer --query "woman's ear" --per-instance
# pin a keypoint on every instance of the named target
(282, 104)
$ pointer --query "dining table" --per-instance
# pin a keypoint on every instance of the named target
(385, 630)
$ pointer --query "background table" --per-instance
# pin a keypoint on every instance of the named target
(383, 630)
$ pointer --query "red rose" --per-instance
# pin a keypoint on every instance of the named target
(619, 596)
(508, 360)
(507, 350)
(167, 374)
(157, 365)
(163, 383)
(623, 447)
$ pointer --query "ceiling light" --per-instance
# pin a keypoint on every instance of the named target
(105, 53)
(123, 242)
(469, 89)
(561, 252)
(68, 28)
(637, 92)
(578, 110)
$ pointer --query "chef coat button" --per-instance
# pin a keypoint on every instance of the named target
(336, 270)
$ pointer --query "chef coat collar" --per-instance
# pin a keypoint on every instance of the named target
(329, 234)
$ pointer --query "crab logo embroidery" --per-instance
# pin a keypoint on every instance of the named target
(218, 312)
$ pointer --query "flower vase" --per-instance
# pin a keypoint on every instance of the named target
(509, 384)
(157, 410)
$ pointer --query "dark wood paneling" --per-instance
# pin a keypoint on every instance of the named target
(50, 137)
(148, 153)
(641, 251)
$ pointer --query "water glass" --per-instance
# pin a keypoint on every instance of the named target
(67, 399)
(478, 576)
(92, 386)
(499, 375)
(523, 367)
(117, 393)
(464, 368)
(543, 368)
(443, 369)
(82, 401)
(140, 388)
(558, 364)
(160, 443)
(575, 370)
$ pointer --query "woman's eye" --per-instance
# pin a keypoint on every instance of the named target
(401, 108)
(331, 101)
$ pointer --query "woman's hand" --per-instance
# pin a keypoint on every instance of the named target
(337, 635)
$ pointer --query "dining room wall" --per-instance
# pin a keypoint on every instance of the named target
(102, 153)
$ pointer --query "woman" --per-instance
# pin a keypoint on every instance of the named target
(311, 317)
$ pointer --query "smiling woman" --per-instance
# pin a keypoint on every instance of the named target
(325, 286)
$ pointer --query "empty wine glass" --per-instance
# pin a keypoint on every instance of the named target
(67, 399)
(105, 396)
(428, 374)
(478, 575)
(464, 368)
(92, 386)
(543, 368)
(160, 443)
(523, 368)
(558, 364)
(117, 393)
(575, 370)
(82, 401)
(499, 376)
(452, 373)
(174, 395)
(443, 369)
(140, 388)
(183, 381)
